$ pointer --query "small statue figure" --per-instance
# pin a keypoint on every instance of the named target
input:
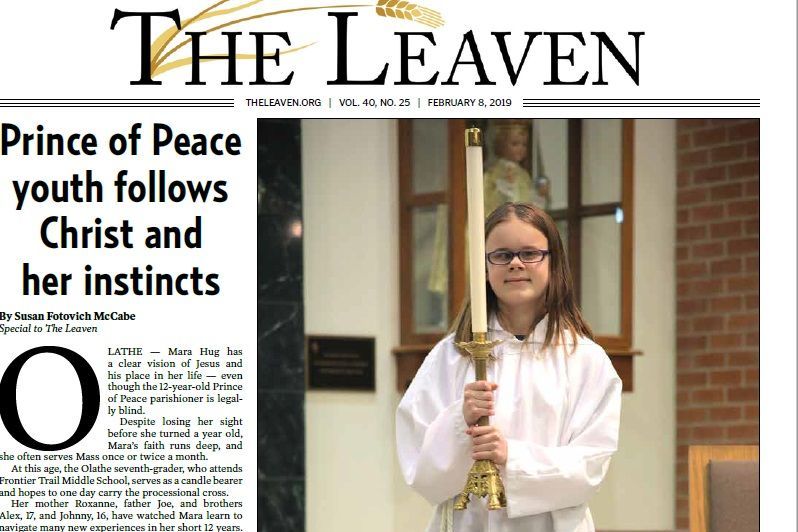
(507, 178)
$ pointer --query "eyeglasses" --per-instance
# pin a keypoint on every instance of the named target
(502, 257)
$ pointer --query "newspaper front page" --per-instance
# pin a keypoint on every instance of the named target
(128, 172)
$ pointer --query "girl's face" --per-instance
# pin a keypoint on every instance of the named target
(518, 284)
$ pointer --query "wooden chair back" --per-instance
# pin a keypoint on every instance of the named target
(698, 460)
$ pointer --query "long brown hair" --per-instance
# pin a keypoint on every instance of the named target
(560, 302)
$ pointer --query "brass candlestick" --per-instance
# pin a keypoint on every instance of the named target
(483, 479)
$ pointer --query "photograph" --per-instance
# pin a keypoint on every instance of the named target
(591, 363)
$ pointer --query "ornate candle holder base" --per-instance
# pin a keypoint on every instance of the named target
(483, 481)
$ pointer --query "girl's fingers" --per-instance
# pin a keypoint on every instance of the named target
(483, 456)
(482, 385)
(479, 396)
(487, 439)
(481, 431)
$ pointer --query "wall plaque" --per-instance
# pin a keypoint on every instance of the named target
(340, 363)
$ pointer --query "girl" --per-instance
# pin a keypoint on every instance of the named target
(552, 393)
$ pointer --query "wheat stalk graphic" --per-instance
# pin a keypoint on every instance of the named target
(407, 11)
(160, 50)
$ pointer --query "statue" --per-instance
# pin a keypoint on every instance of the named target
(507, 178)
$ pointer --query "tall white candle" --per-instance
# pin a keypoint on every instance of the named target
(476, 229)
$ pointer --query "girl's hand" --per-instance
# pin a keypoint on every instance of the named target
(489, 444)
(478, 401)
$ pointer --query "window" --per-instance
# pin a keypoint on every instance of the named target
(580, 171)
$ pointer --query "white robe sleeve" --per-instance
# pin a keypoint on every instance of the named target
(541, 478)
(433, 448)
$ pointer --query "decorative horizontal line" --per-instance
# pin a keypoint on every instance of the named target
(691, 106)
(117, 102)
(641, 102)
(116, 99)
(599, 104)
(62, 106)
(641, 99)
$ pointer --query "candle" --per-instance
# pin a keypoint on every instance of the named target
(476, 230)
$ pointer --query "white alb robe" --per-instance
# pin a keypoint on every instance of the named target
(558, 410)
